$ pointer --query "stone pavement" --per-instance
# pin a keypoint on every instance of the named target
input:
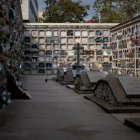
(58, 113)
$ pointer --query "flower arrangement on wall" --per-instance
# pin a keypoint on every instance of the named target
(11, 30)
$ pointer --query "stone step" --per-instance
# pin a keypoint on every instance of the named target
(110, 108)
(133, 123)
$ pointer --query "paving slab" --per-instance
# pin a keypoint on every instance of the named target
(70, 77)
(110, 108)
(122, 116)
(85, 79)
(83, 91)
(58, 113)
(130, 85)
(133, 122)
(94, 76)
(117, 90)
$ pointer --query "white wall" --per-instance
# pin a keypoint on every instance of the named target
(25, 9)
(31, 15)
(27, 12)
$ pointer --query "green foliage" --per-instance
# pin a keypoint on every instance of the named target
(116, 11)
(60, 11)
(129, 8)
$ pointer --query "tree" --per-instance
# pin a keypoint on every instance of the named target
(116, 10)
(129, 8)
(107, 9)
(60, 11)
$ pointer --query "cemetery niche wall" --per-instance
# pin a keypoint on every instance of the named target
(11, 47)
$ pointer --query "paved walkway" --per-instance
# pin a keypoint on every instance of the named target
(58, 113)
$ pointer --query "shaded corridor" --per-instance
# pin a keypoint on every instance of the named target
(58, 113)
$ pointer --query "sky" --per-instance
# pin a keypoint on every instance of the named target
(91, 12)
